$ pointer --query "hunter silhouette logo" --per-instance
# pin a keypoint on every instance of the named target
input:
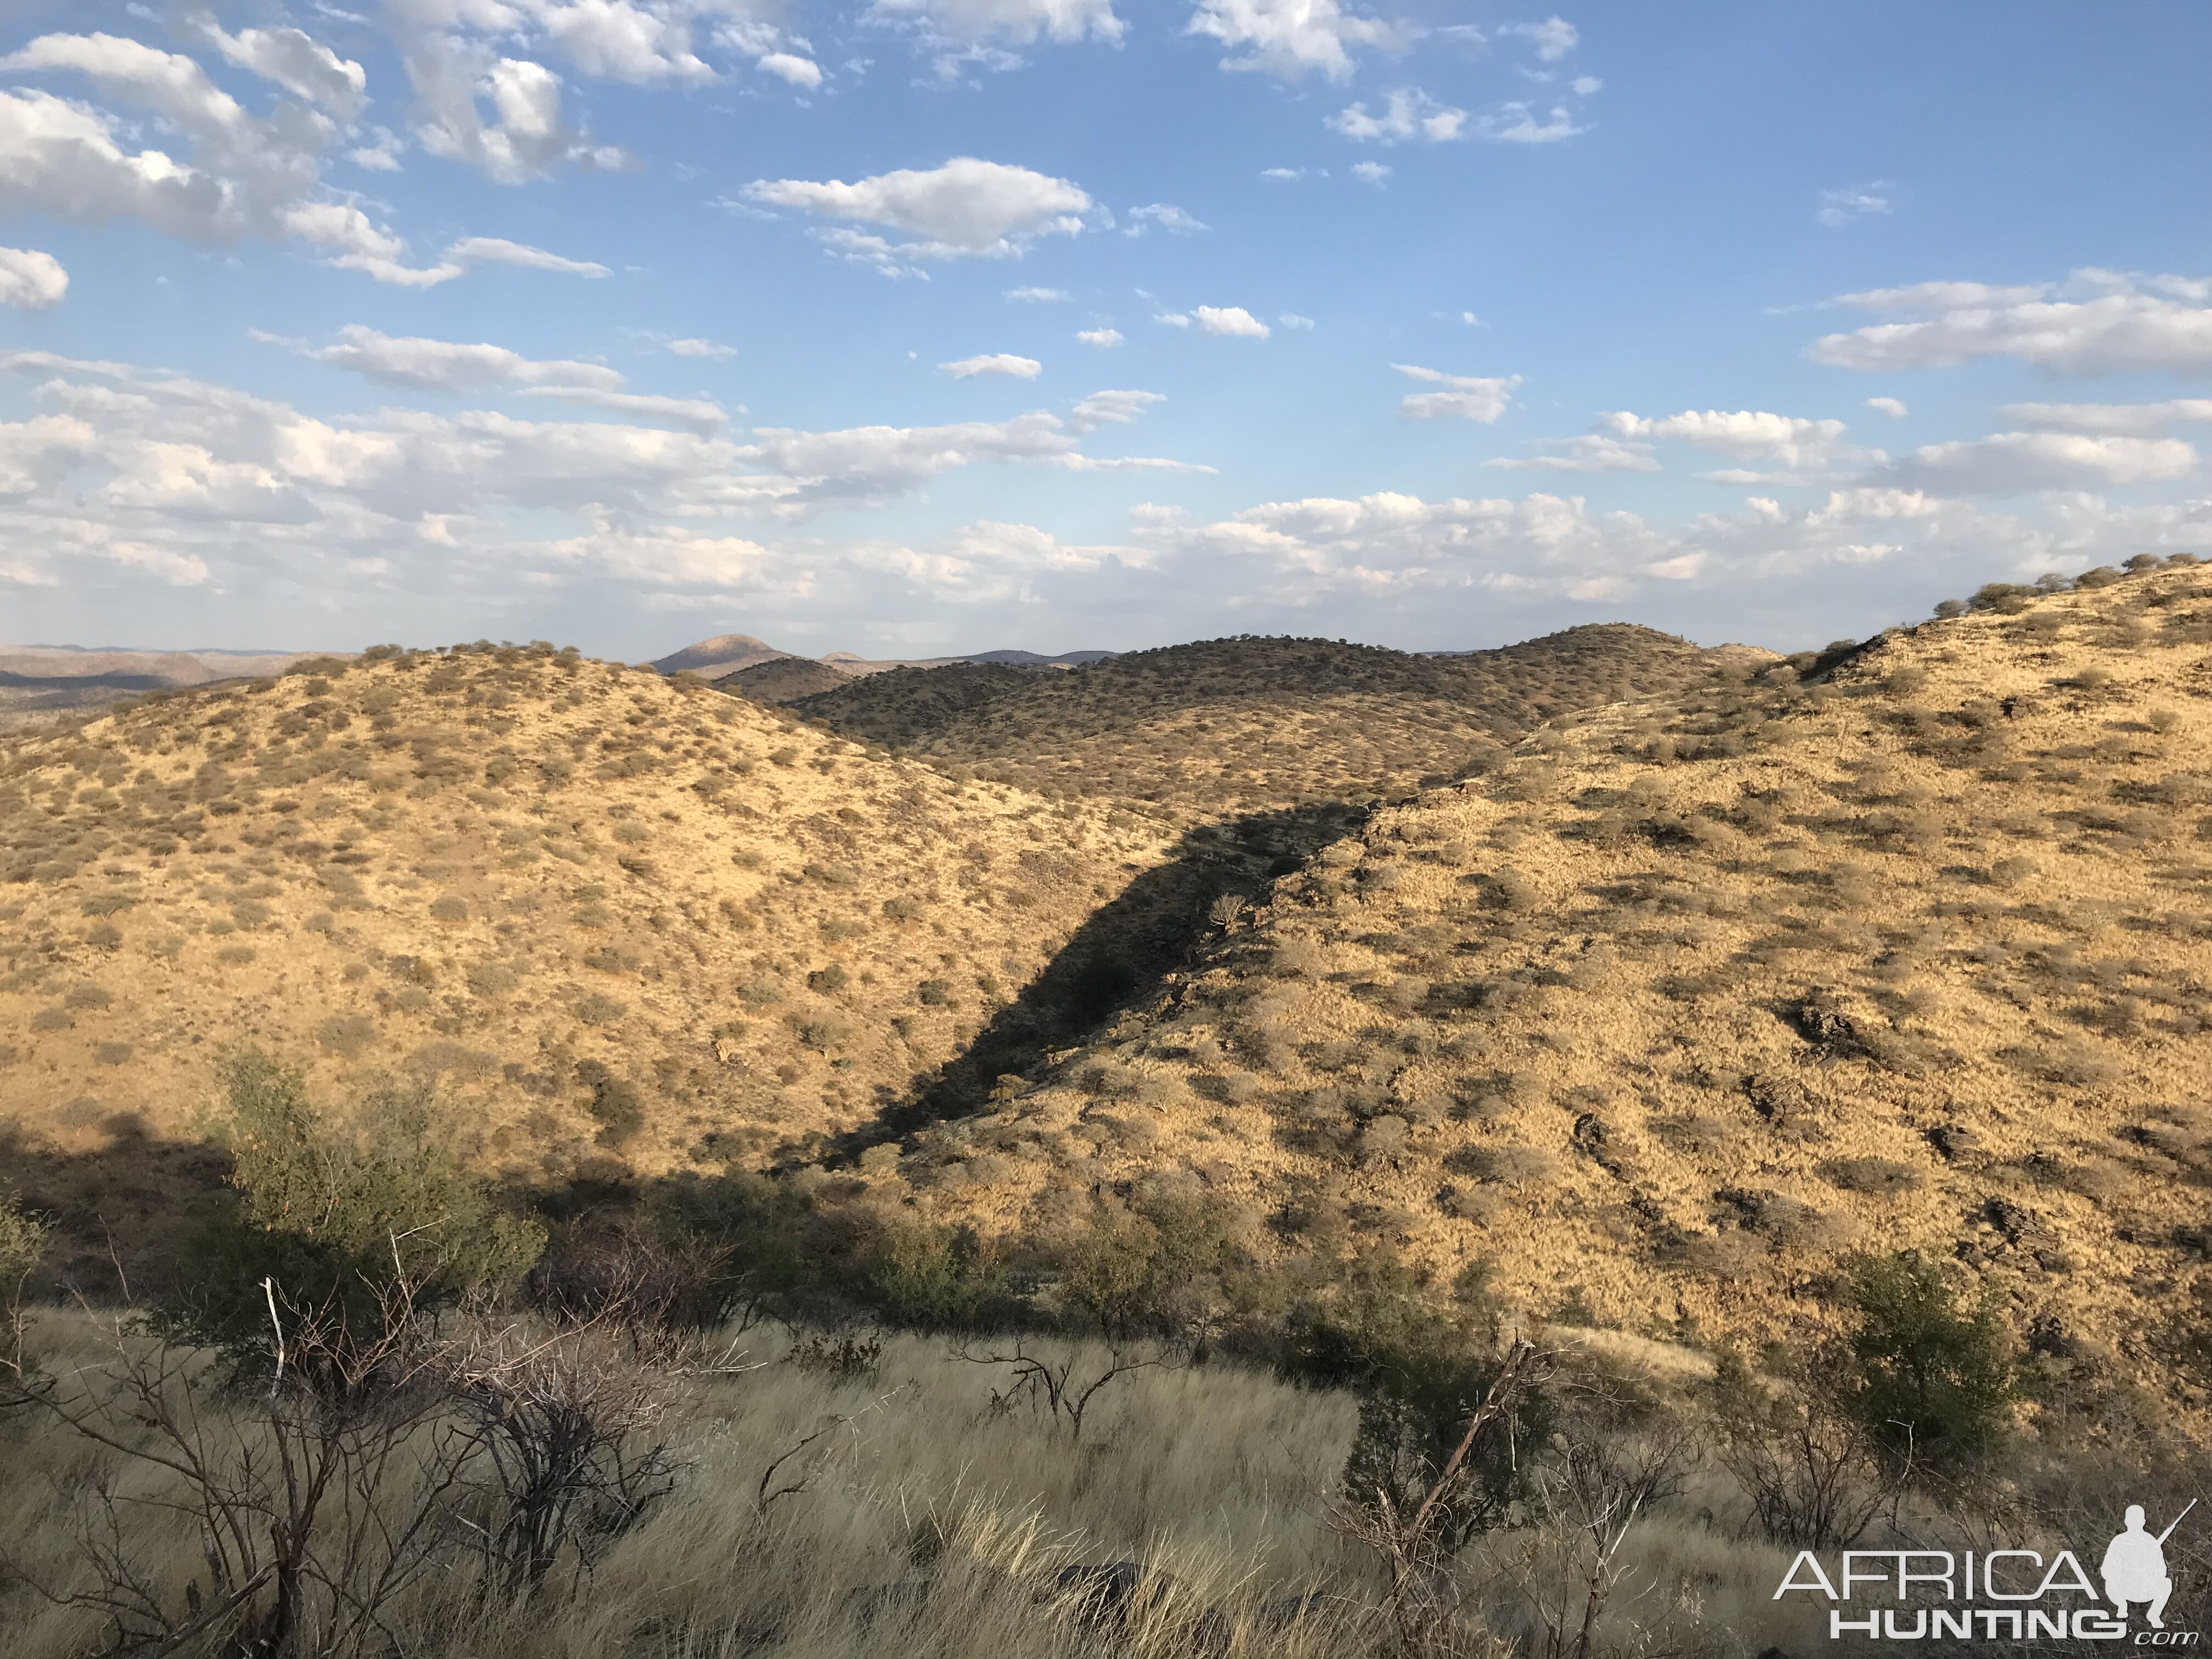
(2135, 1566)
(1999, 1595)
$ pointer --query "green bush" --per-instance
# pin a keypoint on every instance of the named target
(340, 1213)
(1420, 1371)
(1933, 1382)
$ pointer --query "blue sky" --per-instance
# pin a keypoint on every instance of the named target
(908, 327)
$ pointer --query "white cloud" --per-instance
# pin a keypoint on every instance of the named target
(30, 280)
(179, 475)
(700, 414)
(1284, 173)
(1294, 37)
(966, 207)
(697, 348)
(1038, 297)
(2014, 462)
(802, 72)
(1230, 320)
(1517, 124)
(1291, 319)
(1165, 218)
(1586, 85)
(1840, 207)
(1469, 397)
(241, 176)
(1022, 368)
(1408, 113)
(1553, 37)
(1893, 407)
(1591, 452)
(1789, 441)
(293, 60)
(444, 365)
(1021, 22)
(1100, 337)
(1111, 409)
(382, 156)
(2123, 418)
(2119, 323)
(498, 250)
(1370, 173)
(527, 134)
(1411, 115)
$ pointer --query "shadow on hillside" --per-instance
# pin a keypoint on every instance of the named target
(1117, 959)
(120, 1213)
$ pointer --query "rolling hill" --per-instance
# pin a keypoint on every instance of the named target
(782, 680)
(1250, 724)
(1684, 1000)
(617, 919)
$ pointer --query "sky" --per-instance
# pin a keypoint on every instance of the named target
(913, 327)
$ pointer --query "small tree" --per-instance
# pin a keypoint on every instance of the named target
(1932, 1383)
(22, 1241)
(333, 1215)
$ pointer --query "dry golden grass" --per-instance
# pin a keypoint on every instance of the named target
(1687, 999)
(929, 1524)
(494, 870)
(1226, 726)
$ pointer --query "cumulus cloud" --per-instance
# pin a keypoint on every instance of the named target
(1099, 336)
(181, 476)
(1230, 320)
(1840, 207)
(2098, 323)
(1407, 113)
(1163, 216)
(1893, 407)
(1553, 38)
(1293, 39)
(1544, 545)
(443, 365)
(1111, 409)
(2135, 419)
(1292, 319)
(30, 280)
(697, 348)
(1590, 453)
(803, 72)
(293, 60)
(1018, 22)
(498, 250)
(2016, 463)
(1022, 368)
(1038, 297)
(966, 208)
(1468, 396)
(241, 176)
(1787, 441)
(700, 414)
(1370, 173)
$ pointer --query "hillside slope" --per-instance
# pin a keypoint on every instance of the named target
(609, 913)
(1687, 999)
(903, 708)
(782, 679)
(1226, 726)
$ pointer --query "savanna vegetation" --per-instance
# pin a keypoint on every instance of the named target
(763, 1194)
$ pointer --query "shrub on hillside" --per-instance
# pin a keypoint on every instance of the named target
(336, 1212)
(1932, 1383)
